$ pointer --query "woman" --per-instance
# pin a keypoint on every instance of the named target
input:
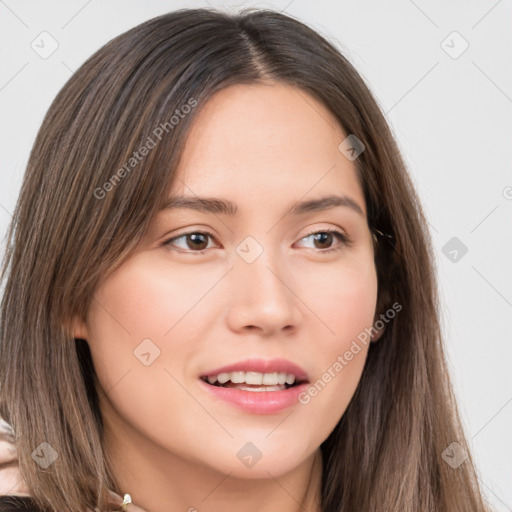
(293, 361)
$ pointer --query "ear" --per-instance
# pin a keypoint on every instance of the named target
(377, 320)
(79, 329)
(378, 334)
(383, 300)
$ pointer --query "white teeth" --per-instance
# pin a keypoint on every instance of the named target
(270, 379)
(237, 377)
(290, 379)
(223, 377)
(261, 388)
(253, 378)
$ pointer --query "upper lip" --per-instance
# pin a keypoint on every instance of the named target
(262, 366)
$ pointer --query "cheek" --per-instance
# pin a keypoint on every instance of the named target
(343, 296)
(344, 300)
(148, 297)
(143, 331)
(141, 309)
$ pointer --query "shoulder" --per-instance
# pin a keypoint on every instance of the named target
(17, 503)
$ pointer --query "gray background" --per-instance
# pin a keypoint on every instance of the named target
(450, 112)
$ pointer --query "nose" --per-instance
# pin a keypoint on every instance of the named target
(264, 297)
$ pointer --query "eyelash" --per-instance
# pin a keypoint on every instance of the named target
(345, 240)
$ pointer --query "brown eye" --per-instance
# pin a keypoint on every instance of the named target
(195, 241)
(325, 238)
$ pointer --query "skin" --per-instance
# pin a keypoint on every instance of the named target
(172, 445)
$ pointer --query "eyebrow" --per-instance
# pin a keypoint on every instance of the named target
(226, 207)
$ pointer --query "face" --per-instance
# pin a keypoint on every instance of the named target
(207, 289)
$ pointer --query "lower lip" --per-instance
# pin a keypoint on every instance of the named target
(258, 402)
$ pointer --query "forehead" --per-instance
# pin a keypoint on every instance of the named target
(265, 144)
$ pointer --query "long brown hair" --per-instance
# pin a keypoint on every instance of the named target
(84, 205)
